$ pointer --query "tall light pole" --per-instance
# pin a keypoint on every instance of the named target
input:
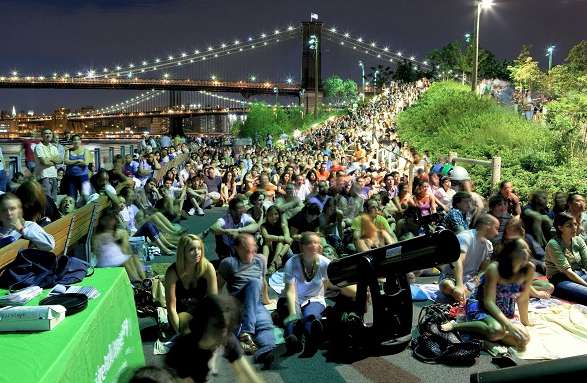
(549, 52)
(375, 82)
(362, 75)
(314, 45)
(481, 4)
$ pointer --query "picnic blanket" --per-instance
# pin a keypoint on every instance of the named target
(559, 330)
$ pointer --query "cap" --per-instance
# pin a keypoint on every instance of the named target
(459, 173)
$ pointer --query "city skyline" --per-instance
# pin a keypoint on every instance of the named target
(64, 37)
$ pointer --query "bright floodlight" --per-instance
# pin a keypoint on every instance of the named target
(550, 49)
(289, 80)
(486, 4)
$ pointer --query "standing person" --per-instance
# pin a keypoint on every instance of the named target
(188, 281)
(29, 153)
(47, 158)
(566, 260)
(3, 176)
(77, 159)
(244, 276)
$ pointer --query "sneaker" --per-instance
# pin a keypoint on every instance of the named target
(249, 347)
(192, 211)
(200, 212)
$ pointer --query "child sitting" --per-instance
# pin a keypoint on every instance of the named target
(491, 308)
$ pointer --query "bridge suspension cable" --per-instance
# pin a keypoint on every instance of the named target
(361, 45)
(193, 57)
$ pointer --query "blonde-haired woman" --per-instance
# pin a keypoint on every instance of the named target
(187, 281)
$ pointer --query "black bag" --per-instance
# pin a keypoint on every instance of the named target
(33, 267)
(436, 346)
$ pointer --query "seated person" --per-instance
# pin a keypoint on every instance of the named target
(215, 318)
(36, 205)
(456, 218)
(101, 186)
(331, 225)
(408, 226)
(461, 277)
(127, 218)
(13, 225)
(498, 208)
(110, 245)
(492, 306)
(289, 205)
(244, 276)
(371, 230)
(536, 220)
(276, 239)
(566, 260)
(306, 220)
(322, 196)
(188, 281)
(230, 226)
(266, 187)
(66, 206)
(303, 301)
(257, 210)
(228, 187)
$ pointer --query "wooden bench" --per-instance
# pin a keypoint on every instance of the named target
(71, 229)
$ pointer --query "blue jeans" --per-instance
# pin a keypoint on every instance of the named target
(3, 180)
(256, 320)
(568, 290)
(311, 311)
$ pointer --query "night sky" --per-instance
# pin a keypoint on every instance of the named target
(42, 37)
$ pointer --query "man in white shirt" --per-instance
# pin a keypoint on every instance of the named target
(46, 158)
(461, 277)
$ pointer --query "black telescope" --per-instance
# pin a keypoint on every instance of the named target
(391, 299)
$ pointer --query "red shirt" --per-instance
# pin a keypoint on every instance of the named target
(28, 145)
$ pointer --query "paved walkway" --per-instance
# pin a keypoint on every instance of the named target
(401, 367)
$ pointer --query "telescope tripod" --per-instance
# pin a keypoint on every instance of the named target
(391, 329)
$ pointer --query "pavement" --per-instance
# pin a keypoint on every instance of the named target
(399, 367)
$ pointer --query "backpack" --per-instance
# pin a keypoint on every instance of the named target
(436, 346)
(34, 267)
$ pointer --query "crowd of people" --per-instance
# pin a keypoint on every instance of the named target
(344, 187)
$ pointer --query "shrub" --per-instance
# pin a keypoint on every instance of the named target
(449, 117)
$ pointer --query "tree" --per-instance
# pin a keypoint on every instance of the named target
(405, 72)
(340, 91)
(379, 76)
(577, 57)
(525, 71)
(569, 116)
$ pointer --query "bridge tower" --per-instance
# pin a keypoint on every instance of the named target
(175, 122)
(309, 77)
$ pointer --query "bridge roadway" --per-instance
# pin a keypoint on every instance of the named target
(160, 113)
(243, 87)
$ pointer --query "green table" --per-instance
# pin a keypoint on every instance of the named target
(94, 345)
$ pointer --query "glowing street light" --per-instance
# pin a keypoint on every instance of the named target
(362, 75)
(481, 5)
(549, 52)
(289, 81)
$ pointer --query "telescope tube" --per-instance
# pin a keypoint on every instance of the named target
(418, 253)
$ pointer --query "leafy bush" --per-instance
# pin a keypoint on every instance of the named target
(449, 117)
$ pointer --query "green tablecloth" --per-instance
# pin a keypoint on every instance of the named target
(95, 345)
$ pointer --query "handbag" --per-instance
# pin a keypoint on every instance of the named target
(433, 345)
(34, 267)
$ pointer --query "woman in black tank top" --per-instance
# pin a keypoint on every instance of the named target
(187, 281)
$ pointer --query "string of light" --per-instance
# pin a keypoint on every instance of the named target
(372, 48)
(211, 52)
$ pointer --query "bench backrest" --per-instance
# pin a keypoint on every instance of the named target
(69, 230)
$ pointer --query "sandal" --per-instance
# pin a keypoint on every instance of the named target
(249, 347)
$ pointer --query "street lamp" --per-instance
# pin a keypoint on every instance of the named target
(362, 75)
(313, 43)
(549, 52)
(482, 4)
